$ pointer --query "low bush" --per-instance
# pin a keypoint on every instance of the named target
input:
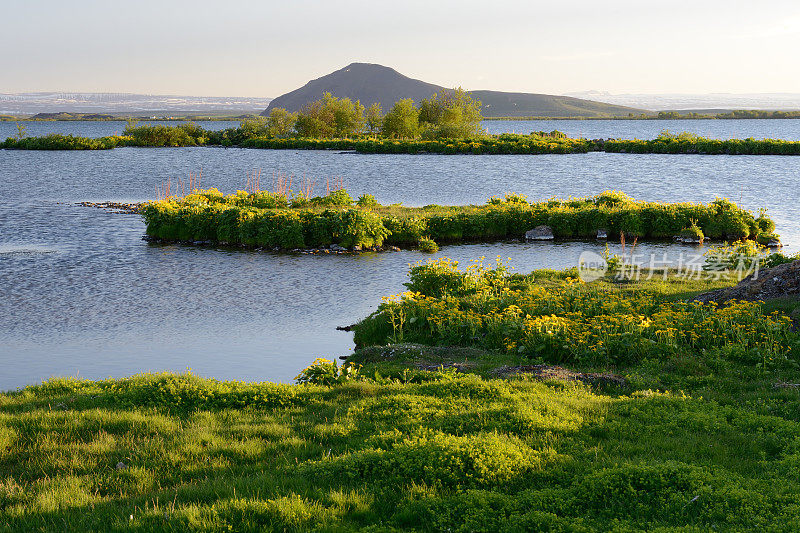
(765, 239)
(692, 233)
(56, 141)
(686, 143)
(159, 135)
(427, 245)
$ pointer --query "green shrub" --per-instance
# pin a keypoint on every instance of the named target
(56, 141)
(327, 372)
(692, 233)
(776, 259)
(427, 245)
(336, 198)
(159, 135)
(366, 200)
(765, 239)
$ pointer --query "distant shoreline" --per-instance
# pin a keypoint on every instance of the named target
(734, 115)
(187, 118)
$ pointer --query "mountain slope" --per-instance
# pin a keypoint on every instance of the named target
(371, 83)
(366, 82)
(501, 104)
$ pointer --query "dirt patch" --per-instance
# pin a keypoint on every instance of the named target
(547, 372)
(432, 367)
(421, 353)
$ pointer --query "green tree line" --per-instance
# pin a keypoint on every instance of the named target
(446, 114)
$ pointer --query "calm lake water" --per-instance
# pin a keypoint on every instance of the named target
(591, 129)
(83, 295)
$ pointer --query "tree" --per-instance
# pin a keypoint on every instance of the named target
(374, 118)
(252, 127)
(450, 114)
(402, 120)
(280, 123)
(330, 117)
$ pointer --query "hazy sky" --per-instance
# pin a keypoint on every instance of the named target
(266, 48)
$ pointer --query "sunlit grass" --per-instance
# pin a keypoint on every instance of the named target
(449, 451)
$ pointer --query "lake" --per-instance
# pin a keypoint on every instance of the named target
(83, 294)
(591, 129)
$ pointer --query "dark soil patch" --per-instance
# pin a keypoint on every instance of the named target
(548, 372)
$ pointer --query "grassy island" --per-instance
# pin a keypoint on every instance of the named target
(168, 136)
(671, 417)
(285, 221)
(536, 143)
(686, 143)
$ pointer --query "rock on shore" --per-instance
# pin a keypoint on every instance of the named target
(778, 282)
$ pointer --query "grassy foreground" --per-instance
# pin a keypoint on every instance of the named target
(281, 220)
(695, 437)
(453, 452)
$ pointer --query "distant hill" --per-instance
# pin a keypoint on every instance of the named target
(371, 83)
(366, 82)
(71, 116)
(500, 104)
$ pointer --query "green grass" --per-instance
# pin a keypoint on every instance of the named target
(438, 452)
(689, 441)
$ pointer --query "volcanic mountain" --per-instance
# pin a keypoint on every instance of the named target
(371, 83)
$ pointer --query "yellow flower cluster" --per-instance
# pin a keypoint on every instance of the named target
(576, 322)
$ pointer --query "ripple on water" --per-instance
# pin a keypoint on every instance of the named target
(83, 294)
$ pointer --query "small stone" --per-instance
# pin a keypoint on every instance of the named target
(540, 233)
(356, 248)
(602, 234)
(121, 466)
(394, 249)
